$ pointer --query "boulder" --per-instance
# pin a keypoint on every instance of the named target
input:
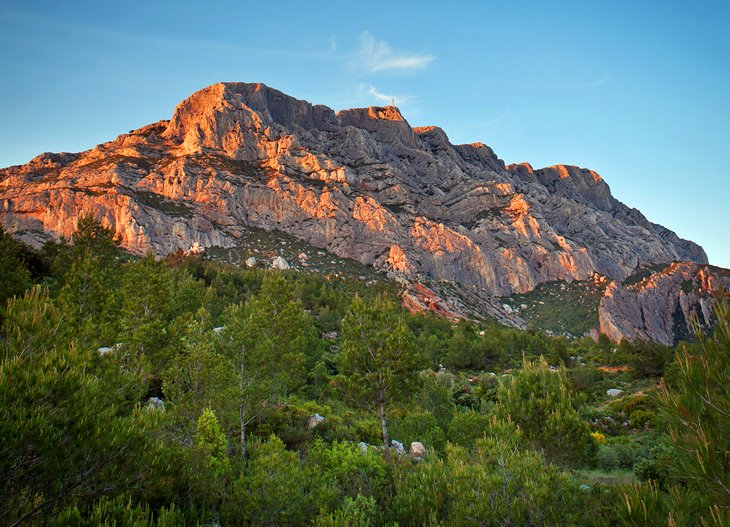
(280, 263)
(417, 450)
(398, 446)
(155, 403)
(314, 420)
(363, 447)
(614, 392)
(195, 249)
(251, 261)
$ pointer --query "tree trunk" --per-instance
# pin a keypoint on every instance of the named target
(242, 408)
(384, 428)
(243, 432)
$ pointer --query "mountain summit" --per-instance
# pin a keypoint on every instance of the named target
(360, 183)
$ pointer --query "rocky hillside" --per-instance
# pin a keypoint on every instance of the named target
(360, 183)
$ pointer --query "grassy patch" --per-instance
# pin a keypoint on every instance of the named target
(560, 307)
(643, 273)
(266, 245)
(613, 477)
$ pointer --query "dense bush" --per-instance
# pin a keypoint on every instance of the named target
(621, 453)
(540, 402)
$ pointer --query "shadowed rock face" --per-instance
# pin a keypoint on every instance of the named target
(664, 306)
(360, 183)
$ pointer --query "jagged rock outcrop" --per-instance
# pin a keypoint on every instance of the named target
(360, 183)
(664, 306)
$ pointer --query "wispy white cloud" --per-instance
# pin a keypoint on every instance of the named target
(371, 93)
(377, 55)
(362, 95)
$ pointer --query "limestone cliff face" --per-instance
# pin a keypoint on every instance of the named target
(664, 306)
(360, 183)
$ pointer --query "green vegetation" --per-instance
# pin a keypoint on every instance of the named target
(264, 245)
(185, 391)
(559, 307)
(643, 273)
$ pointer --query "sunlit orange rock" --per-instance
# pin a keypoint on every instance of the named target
(360, 183)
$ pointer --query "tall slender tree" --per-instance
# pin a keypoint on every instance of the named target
(378, 362)
(271, 340)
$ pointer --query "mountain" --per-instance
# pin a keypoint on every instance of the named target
(359, 183)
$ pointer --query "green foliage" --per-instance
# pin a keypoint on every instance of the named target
(271, 341)
(561, 307)
(421, 493)
(378, 362)
(696, 468)
(122, 513)
(499, 484)
(14, 274)
(468, 350)
(278, 336)
(345, 471)
(275, 489)
(646, 504)
(622, 453)
(468, 427)
(199, 377)
(354, 512)
(66, 434)
(210, 439)
(655, 466)
(91, 237)
(493, 484)
(236, 355)
(146, 287)
(87, 299)
(694, 407)
(419, 426)
(435, 397)
(539, 401)
(646, 359)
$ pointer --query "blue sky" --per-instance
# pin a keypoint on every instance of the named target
(638, 91)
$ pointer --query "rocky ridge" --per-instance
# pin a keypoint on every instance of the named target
(359, 183)
(643, 311)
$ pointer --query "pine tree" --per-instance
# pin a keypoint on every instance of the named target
(68, 435)
(695, 408)
(539, 401)
(209, 437)
(378, 363)
(14, 274)
(146, 288)
(271, 340)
